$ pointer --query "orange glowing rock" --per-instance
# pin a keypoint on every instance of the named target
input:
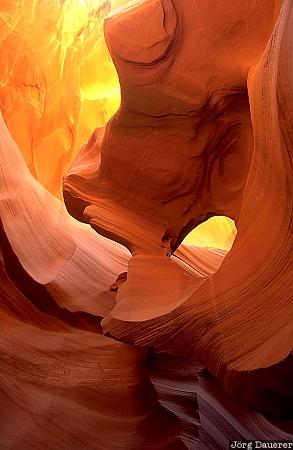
(189, 141)
(197, 154)
(57, 81)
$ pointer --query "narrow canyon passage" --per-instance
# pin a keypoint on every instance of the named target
(145, 224)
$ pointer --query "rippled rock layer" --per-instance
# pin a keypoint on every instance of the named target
(149, 304)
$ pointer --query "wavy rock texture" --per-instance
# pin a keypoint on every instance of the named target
(53, 249)
(183, 141)
(65, 388)
(55, 364)
(216, 410)
(64, 384)
(202, 130)
(170, 191)
(58, 80)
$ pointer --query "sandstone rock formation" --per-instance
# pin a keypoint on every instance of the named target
(201, 130)
(122, 335)
(57, 79)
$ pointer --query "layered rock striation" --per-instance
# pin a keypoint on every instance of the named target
(116, 332)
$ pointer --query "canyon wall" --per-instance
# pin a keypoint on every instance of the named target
(133, 316)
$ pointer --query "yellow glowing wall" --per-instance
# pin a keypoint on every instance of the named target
(57, 81)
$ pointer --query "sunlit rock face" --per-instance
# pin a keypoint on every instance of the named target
(200, 132)
(167, 323)
(182, 136)
(56, 80)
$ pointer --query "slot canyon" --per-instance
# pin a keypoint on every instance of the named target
(146, 196)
